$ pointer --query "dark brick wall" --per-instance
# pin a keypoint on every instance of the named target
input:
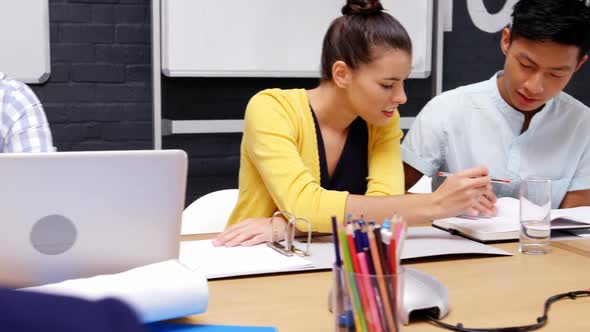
(99, 94)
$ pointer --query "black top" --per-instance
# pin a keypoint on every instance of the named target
(352, 169)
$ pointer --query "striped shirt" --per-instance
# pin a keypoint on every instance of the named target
(23, 125)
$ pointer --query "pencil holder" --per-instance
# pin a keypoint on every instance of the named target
(367, 302)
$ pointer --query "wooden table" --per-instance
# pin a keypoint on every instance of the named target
(484, 292)
(580, 247)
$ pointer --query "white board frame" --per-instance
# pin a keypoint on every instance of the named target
(236, 38)
(24, 36)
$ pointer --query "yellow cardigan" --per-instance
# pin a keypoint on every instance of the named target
(280, 169)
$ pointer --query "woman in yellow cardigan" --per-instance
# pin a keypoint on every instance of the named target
(335, 149)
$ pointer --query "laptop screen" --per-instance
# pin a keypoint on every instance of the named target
(77, 214)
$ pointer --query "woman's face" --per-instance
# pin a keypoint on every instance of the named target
(377, 88)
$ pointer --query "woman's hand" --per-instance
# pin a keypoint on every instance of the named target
(250, 232)
(468, 191)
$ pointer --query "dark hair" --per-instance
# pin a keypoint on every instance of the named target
(562, 21)
(352, 37)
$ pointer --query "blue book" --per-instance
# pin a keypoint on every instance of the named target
(170, 327)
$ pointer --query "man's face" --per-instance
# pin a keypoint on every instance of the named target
(535, 72)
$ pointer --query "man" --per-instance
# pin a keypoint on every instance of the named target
(23, 125)
(519, 123)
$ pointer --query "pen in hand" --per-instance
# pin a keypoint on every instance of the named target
(503, 181)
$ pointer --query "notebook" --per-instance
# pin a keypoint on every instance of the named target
(505, 226)
(72, 215)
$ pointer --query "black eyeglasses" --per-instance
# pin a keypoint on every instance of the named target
(541, 321)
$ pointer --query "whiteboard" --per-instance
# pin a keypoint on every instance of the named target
(269, 38)
(24, 40)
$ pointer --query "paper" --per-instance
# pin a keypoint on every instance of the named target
(581, 213)
(218, 262)
(507, 219)
(420, 242)
(169, 327)
(158, 291)
(430, 241)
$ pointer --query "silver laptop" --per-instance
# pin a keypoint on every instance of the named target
(70, 215)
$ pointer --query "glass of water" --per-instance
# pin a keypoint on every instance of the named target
(535, 215)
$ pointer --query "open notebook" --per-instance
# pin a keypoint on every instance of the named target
(220, 262)
(505, 226)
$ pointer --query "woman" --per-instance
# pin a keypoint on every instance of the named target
(335, 149)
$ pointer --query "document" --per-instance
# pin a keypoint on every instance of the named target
(219, 262)
(505, 226)
(420, 242)
(430, 242)
(156, 292)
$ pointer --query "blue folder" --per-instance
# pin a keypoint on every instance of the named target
(170, 327)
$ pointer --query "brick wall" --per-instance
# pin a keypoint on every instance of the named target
(99, 94)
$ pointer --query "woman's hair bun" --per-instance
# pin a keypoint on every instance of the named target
(362, 7)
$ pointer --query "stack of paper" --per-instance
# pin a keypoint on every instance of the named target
(218, 262)
(158, 291)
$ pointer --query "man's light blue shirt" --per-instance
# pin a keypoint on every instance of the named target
(473, 125)
(23, 124)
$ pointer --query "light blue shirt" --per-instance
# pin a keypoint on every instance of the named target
(473, 125)
(23, 124)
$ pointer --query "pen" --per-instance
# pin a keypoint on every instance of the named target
(336, 244)
(356, 270)
(366, 247)
(445, 174)
(344, 320)
(373, 312)
(358, 317)
(380, 271)
(386, 231)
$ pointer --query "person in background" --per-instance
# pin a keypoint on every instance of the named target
(23, 124)
(24, 311)
(519, 123)
(335, 150)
